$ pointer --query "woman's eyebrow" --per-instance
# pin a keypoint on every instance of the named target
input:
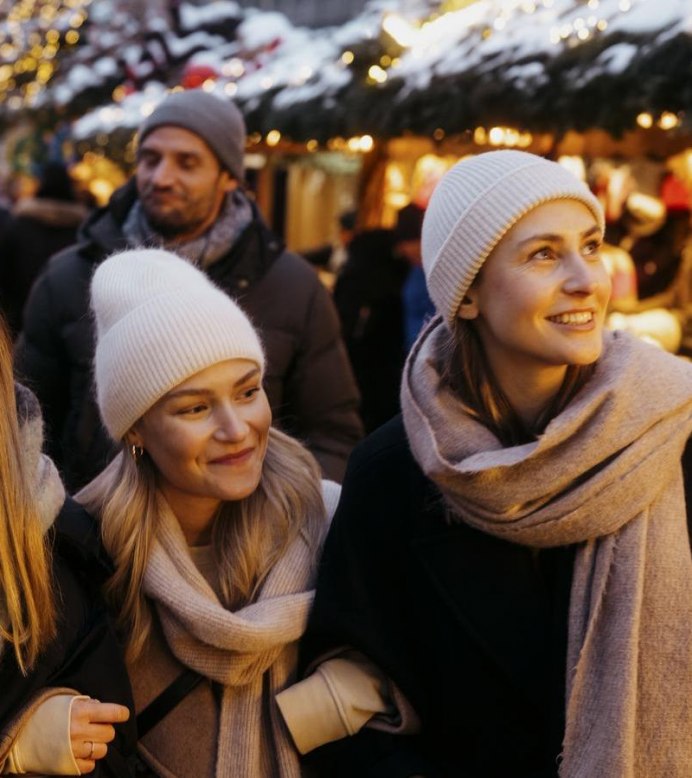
(250, 374)
(187, 392)
(554, 238)
(205, 392)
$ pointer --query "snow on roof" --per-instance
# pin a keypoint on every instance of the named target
(192, 17)
(275, 70)
(129, 114)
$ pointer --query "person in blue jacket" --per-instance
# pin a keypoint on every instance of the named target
(416, 303)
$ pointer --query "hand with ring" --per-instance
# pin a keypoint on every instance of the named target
(91, 729)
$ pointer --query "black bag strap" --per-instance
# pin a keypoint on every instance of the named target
(162, 705)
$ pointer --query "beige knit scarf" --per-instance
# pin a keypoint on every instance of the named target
(606, 475)
(236, 649)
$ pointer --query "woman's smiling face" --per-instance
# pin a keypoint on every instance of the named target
(208, 437)
(540, 300)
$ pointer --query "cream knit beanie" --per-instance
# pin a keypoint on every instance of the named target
(159, 321)
(476, 202)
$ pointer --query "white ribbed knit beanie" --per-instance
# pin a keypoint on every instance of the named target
(475, 204)
(159, 321)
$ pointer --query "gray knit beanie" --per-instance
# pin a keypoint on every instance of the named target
(475, 204)
(217, 121)
(159, 321)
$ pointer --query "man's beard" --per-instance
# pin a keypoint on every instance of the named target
(169, 226)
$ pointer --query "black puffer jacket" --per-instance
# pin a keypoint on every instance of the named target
(309, 381)
(86, 655)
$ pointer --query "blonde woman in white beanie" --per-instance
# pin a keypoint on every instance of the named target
(214, 520)
(514, 552)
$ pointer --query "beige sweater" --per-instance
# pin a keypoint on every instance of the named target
(42, 743)
(337, 700)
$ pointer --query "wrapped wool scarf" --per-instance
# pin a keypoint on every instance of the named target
(203, 251)
(236, 649)
(605, 474)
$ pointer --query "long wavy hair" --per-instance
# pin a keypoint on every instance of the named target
(27, 598)
(248, 537)
(465, 369)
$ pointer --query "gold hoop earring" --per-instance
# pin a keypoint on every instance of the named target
(136, 452)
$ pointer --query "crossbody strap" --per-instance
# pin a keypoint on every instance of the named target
(162, 705)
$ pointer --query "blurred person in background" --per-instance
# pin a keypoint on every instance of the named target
(367, 295)
(42, 225)
(330, 258)
(416, 302)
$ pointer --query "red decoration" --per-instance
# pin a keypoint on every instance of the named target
(675, 194)
(195, 75)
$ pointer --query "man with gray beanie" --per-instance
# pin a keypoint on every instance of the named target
(187, 196)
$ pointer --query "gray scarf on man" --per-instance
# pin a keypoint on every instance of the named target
(216, 242)
(605, 475)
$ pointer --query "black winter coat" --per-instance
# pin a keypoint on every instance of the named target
(309, 382)
(86, 655)
(367, 295)
(471, 628)
(41, 227)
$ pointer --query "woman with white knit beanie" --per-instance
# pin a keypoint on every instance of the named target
(514, 551)
(213, 518)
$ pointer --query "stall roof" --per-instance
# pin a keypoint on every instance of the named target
(540, 65)
(550, 66)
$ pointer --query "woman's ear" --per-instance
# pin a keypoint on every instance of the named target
(469, 308)
(134, 438)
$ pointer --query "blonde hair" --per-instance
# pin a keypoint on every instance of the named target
(465, 370)
(248, 536)
(27, 600)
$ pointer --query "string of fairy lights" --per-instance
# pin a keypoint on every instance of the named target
(32, 35)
